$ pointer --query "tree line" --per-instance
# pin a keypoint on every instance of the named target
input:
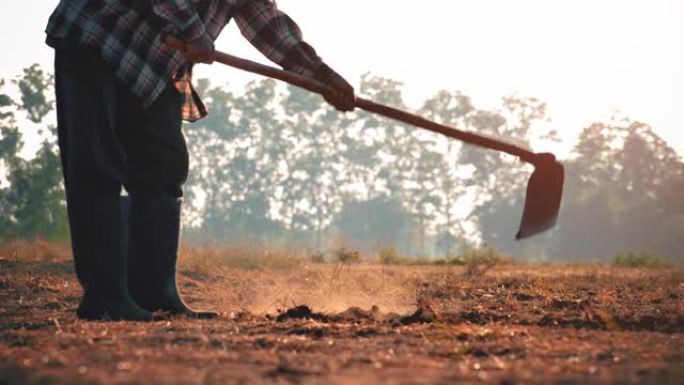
(275, 164)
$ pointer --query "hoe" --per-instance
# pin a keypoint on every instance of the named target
(544, 189)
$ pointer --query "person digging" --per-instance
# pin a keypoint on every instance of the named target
(122, 95)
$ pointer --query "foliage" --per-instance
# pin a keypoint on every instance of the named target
(642, 259)
(34, 86)
(390, 256)
(346, 256)
(478, 261)
(37, 197)
(33, 203)
(620, 193)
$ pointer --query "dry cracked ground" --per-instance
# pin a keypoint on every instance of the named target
(367, 324)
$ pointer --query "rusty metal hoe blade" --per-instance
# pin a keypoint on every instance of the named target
(543, 197)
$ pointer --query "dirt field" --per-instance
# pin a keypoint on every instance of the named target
(303, 323)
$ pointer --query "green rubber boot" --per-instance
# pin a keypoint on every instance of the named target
(100, 261)
(154, 234)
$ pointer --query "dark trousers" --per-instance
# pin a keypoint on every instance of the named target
(107, 140)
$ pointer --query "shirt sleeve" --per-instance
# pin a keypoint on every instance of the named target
(279, 38)
(182, 15)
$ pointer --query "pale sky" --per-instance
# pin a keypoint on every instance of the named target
(585, 58)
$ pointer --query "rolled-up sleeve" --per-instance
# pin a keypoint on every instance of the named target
(279, 38)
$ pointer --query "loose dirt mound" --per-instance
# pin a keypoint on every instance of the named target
(424, 314)
(301, 312)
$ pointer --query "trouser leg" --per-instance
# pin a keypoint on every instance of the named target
(157, 167)
(92, 163)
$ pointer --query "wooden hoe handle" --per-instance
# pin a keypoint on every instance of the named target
(318, 87)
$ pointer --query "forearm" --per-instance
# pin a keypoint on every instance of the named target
(279, 38)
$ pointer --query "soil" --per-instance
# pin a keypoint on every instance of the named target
(514, 324)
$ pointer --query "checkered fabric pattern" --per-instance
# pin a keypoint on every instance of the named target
(127, 33)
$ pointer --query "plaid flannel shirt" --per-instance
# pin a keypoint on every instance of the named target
(127, 34)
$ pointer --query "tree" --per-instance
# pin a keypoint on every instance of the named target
(396, 147)
(207, 189)
(10, 143)
(621, 193)
(37, 196)
(440, 171)
(235, 163)
(33, 204)
(310, 192)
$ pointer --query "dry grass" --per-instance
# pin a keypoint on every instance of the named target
(35, 250)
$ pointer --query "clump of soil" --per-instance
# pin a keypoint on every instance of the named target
(356, 314)
(301, 312)
(353, 314)
(425, 313)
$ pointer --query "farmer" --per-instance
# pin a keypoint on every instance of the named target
(121, 96)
